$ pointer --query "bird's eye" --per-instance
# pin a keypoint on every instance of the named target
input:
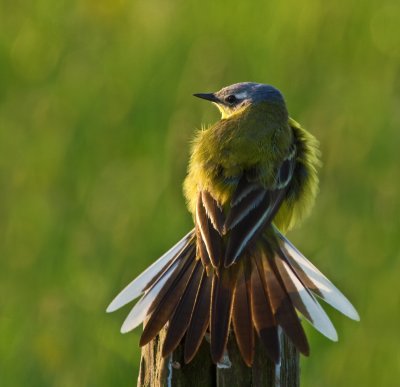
(230, 99)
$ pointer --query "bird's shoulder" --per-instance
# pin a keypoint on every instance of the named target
(303, 188)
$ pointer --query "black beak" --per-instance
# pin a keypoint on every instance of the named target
(208, 96)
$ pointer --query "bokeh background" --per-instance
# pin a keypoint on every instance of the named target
(96, 115)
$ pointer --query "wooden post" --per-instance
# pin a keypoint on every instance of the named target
(231, 371)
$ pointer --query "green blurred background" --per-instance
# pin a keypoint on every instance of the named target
(96, 115)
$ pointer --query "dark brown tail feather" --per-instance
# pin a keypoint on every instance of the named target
(263, 318)
(180, 320)
(168, 298)
(221, 309)
(200, 318)
(241, 314)
(282, 307)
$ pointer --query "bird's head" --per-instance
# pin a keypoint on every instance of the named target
(234, 98)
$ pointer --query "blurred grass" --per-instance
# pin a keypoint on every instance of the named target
(95, 117)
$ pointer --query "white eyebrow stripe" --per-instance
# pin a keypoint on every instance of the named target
(241, 95)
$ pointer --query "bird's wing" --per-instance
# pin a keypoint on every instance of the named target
(251, 208)
(254, 206)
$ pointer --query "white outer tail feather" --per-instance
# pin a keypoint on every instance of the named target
(139, 311)
(319, 319)
(330, 293)
(136, 287)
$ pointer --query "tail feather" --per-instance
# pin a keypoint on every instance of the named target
(263, 317)
(200, 318)
(166, 301)
(304, 301)
(185, 259)
(153, 293)
(260, 293)
(141, 309)
(180, 320)
(241, 314)
(144, 281)
(282, 307)
(221, 308)
(316, 281)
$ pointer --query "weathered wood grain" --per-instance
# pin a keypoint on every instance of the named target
(231, 371)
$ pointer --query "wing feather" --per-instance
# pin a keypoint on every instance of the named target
(243, 208)
(254, 206)
(213, 211)
(209, 235)
(251, 225)
(201, 248)
(243, 188)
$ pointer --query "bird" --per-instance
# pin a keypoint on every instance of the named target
(252, 176)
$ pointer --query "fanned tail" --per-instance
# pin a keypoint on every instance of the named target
(258, 294)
